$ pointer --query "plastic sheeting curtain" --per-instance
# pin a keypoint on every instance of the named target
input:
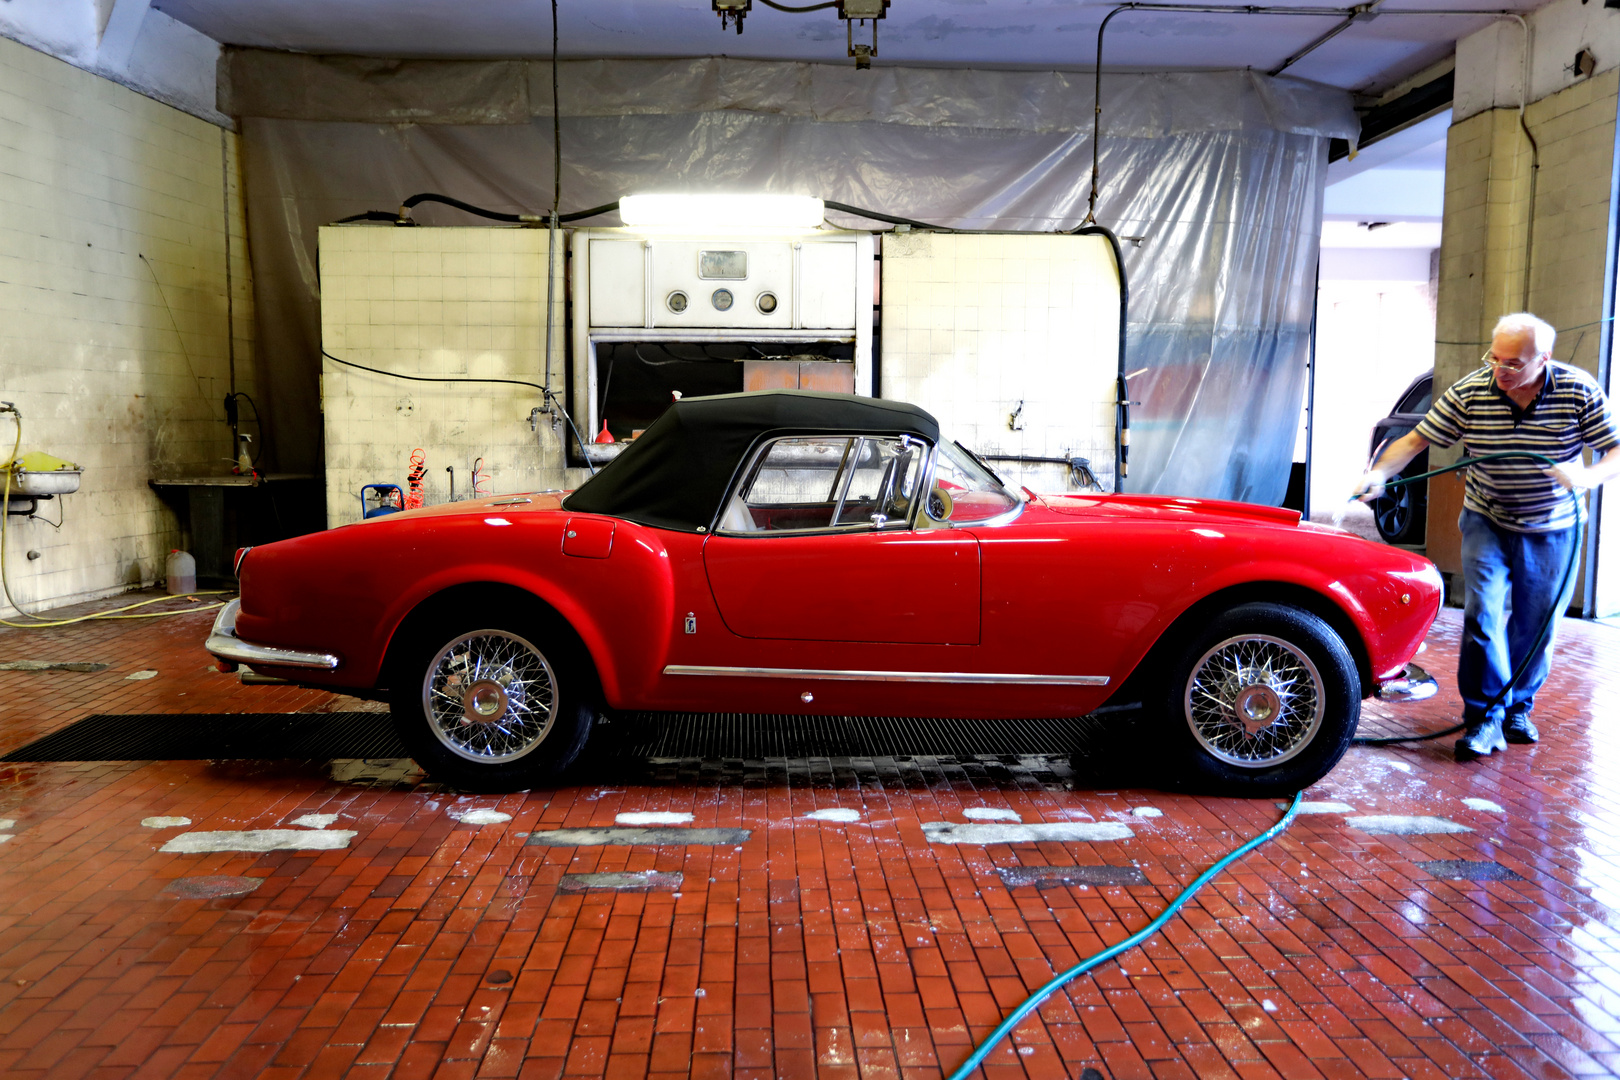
(1219, 174)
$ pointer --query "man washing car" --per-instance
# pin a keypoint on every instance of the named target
(1520, 520)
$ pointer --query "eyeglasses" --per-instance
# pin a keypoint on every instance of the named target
(1510, 366)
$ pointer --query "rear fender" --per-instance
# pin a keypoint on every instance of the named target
(637, 606)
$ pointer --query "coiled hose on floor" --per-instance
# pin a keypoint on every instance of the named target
(1035, 1000)
(1552, 611)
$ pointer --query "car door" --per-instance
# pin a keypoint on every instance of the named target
(816, 545)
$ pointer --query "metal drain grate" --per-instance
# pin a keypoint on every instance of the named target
(214, 736)
(664, 737)
(752, 736)
(1468, 870)
(1046, 877)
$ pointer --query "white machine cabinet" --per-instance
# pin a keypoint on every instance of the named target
(788, 296)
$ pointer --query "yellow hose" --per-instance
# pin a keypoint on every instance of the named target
(40, 624)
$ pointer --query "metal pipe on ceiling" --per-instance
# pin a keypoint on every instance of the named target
(1360, 12)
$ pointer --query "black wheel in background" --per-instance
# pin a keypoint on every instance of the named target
(1401, 513)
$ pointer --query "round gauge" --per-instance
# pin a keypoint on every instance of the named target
(676, 301)
(766, 303)
(722, 299)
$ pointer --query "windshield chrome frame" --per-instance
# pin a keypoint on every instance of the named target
(1006, 516)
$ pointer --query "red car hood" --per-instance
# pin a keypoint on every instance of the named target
(1137, 506)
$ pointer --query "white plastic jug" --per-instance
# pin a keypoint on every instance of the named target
(181, 570)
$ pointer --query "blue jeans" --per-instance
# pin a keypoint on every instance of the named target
(1513, 581)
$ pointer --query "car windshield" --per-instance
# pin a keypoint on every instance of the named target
(964, 490)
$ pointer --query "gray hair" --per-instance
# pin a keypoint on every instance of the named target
(1524, 324)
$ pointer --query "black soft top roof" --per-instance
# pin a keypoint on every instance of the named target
(676, 473)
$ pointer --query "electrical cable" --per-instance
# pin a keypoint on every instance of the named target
(1349, 15)
(554, 399)
(258, 421)
(400, 217)
(184, 352)
(1034, 1001)
(877, 216)
(799, 10)
(1546, 625)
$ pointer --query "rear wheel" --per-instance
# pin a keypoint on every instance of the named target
(1264, 700)
(488, 708)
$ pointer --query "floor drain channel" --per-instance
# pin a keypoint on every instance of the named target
(1467, 870)
(1051, 877)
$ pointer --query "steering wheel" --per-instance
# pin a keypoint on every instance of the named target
(940, 504)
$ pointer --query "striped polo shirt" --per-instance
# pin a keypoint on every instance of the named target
(1514, 493)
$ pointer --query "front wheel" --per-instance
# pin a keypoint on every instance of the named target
(492, 709)
(1263, 701)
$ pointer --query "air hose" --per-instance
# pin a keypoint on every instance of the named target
(1546, 626)
(1034, 1001)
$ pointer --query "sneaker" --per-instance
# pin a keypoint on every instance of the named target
(1520, 730)
(1481, 740)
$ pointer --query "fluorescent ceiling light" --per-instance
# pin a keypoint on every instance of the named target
(722, 211)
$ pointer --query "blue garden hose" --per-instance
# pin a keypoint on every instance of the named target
(1034, 1001)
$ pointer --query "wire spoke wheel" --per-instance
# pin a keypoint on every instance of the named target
(1254, 701)
(490, 697)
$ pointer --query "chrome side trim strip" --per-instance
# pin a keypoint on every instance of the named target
(835, 675)
(223, 643)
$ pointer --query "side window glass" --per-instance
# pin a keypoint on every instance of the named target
(795, 486)
(823, 482)
(1419, 400)
(882, 481)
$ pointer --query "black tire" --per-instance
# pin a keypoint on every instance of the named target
(1401, 513)
(517, 723)
(1285, 669)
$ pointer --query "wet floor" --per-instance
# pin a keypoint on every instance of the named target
(839, 916)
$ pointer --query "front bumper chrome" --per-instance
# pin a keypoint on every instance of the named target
(1413, 684)
(223, 643)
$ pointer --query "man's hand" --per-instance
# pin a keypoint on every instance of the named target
(1370, 486)
(1572, 475)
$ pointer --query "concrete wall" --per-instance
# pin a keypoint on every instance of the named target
(1489, 182)
(117, 362)
(454, 302)
(976, 326)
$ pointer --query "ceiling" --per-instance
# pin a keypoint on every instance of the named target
(1038, 34)
(1401, 178)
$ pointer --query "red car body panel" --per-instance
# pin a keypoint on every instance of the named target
(908, 587)
(1073, 586)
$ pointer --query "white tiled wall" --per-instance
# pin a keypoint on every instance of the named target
(437, 302)
(118, 362)
(975, 324)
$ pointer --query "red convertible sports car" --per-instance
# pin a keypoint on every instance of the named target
(796, 552)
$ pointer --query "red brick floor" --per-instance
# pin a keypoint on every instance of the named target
(433, 947)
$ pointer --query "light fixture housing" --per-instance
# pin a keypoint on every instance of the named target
(732, 10)
(722, 211)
